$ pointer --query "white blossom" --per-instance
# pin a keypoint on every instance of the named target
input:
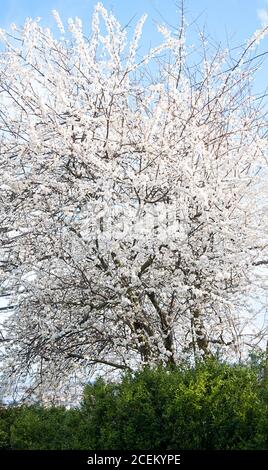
(133, 212)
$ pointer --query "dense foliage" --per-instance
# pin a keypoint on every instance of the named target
(211, 406)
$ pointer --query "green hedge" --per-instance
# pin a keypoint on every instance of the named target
(37, 428)
(211, 406)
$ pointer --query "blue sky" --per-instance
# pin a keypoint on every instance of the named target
(232, 19)
(238, 17)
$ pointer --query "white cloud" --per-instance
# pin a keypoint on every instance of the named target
(263, 15)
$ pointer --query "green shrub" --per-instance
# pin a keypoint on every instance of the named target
(210, 406)
(8, 415)
(45, 429)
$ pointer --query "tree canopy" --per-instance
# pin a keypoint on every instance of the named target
(133, 222)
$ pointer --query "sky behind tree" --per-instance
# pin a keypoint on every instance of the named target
(229, 22)
(233, 18)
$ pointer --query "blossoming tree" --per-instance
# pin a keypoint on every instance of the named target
(133, 219)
